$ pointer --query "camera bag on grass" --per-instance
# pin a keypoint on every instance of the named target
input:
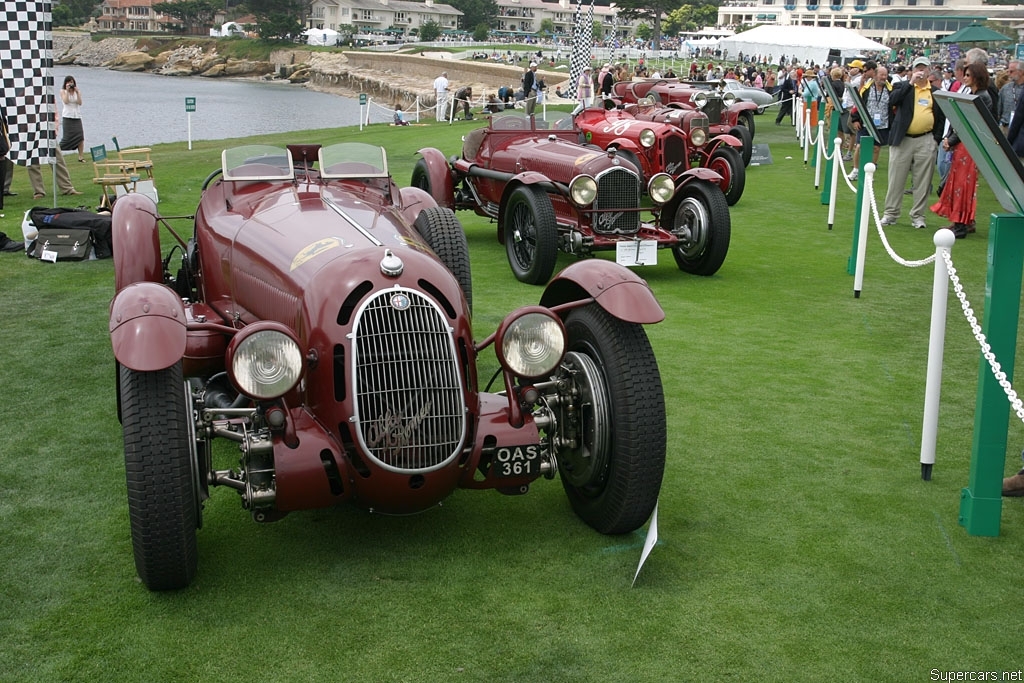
(69, 234)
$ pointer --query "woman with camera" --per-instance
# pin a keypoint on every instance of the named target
(74, 135)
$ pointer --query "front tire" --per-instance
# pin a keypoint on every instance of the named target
(613, 475)
(421, 176)
(161, 467)
(748, 142)
(443, 233)
(726, 162)
(702, 223)
(531, 235)
(746, 119)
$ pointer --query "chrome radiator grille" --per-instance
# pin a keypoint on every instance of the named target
(409, 413)
(675, 155)
(713, 109)
(618, 193)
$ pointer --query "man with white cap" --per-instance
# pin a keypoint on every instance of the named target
(441, 91)
(914, 134)
(530, 88)
(584, 91)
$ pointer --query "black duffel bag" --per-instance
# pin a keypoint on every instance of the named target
(62, 228)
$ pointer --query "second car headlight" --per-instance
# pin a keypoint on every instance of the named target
(698, 137)
(700, 100)
(531, 342)
(647, 137)
(583, 190)
(661, 187)
(729, 99)
(265, 363)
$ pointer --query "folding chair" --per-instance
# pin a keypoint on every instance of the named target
(110, 175)
(138, 156)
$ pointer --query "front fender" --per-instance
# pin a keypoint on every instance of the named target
(724, 139)
(697, 173)
(415, 200)
(626, 144)
(136, 239)
(442, 187)
(617, 289)
(147, 326)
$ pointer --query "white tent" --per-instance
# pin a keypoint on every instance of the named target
(805, 43)
(320, 36)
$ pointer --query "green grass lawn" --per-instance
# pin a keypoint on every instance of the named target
(798, 541)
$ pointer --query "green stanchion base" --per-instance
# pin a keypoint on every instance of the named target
(980, 516)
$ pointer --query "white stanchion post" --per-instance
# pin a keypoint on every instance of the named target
(944, 239)
(369, 101)
(417, 109)
(819, 154)
(862, 236)
(834, 183)
(798, 107)
(807, 134)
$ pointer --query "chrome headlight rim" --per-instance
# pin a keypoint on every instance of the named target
(265, 361)
(661, 188)
(698, 137)
(583, 190)
(729, 99)
(700, 100)
(531, 342)
(648, 137)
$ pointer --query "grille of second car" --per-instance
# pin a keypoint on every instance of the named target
(617, 188)
(410, 407)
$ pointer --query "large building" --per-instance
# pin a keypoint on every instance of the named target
(516, 18)
(130, 15)
(882, 20)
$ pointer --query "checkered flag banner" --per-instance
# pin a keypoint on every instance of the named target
(576, 58)
(615, 31)
(26, 70)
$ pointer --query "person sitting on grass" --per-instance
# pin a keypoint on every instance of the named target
(399, 118)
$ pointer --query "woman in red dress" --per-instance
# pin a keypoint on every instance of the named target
(959, 196)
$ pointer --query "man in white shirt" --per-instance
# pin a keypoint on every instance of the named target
(441, 91)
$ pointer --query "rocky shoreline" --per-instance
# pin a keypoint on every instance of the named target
(329, 72)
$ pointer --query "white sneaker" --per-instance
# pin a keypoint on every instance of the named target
(887, 221)
(853, 174)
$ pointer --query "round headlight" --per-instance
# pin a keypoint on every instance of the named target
(661, 188)
(728, 99)
(700, 99)
(647, 137)
(531, 342)
(583, 190)
(698, 137)
(265, 363)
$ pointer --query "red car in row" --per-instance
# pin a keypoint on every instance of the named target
(548, 193)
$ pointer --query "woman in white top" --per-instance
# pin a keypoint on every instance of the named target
(74, 134)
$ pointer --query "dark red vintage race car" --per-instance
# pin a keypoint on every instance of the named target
(320, 320)
(548, 192)
(726, 114)
(662, 143)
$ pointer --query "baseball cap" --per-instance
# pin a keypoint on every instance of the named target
(533, 63)
(856, 64)
(922, 61)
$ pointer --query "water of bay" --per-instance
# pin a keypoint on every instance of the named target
(146, 109)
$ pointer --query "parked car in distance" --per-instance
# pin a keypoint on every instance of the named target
(549, 193)
(672, 140)
(726, 114)
(746, 93)
(319, 319)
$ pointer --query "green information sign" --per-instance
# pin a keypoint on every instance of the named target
(190, 104)
(362, 98)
